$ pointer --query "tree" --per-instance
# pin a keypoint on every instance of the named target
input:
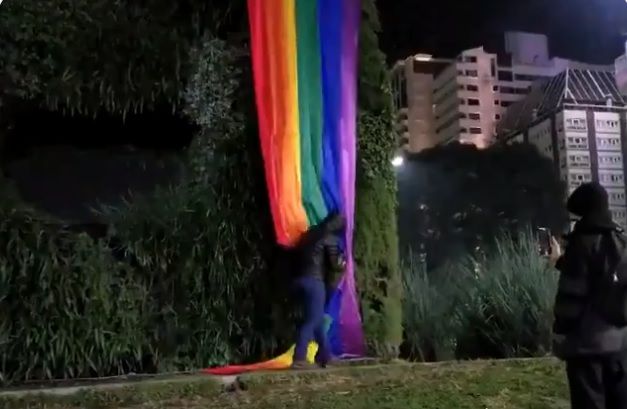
(455, 198)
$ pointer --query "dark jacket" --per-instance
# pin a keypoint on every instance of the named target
(585, 331)
(318, 251)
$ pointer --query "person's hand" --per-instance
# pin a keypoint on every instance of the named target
(342, 264)
(556, 251)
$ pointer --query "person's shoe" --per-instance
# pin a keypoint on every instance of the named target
(302, 365)
(328, 362)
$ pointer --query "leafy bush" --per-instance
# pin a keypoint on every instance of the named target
(496, 306)
(67, 308)
(200, 279)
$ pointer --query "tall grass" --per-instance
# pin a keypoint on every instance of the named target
(430, 327)
(498, 306)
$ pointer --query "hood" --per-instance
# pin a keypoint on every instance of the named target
(590, 202)
(334, 223)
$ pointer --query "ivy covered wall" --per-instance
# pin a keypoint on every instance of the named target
(376, 239)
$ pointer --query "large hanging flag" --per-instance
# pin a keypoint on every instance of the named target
(304, 55)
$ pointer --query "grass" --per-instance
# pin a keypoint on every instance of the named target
(533, 384)
(498, 303)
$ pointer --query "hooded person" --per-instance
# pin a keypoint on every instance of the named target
(318, 260)
(594, 350)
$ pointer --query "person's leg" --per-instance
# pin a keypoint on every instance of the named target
(320, 334)
(616, 382)
(585, 380)
(306, 330)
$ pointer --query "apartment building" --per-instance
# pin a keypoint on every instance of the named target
(413, 98)
(470, 94)
(578, 119)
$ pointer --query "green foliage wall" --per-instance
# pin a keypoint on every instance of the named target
(95, 56)
(206, 241)
(376, 243)
(181, 280)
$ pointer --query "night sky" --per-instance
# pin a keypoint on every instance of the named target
(587, 30)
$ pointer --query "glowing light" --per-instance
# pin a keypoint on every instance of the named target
(398, 160)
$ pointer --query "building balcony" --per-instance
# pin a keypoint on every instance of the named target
(576, 128)
(577, 147)
(578, 165)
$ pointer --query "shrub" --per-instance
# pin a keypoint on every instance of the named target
(67, 308)
(200, 279)
(496, 306)
(507, 310)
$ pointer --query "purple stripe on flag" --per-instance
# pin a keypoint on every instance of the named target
(350, 320)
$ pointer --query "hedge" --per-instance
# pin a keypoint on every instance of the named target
(376, 241)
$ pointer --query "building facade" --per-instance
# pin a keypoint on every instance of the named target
(413, 99)
(579, 120)
(470, 94)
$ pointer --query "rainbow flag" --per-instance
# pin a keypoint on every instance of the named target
(304, 55)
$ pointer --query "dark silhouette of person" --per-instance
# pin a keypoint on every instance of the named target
(318, 260)
(595, 351)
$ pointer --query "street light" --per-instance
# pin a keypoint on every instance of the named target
(398, 160)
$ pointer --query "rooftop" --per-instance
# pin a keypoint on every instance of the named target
(572, 87)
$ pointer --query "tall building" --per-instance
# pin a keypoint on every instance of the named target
(413, 98)
(579, 120)
(620, 71)
(470, 94)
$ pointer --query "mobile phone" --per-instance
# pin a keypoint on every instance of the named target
(544, 241)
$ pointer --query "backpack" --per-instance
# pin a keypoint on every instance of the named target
(611, 288)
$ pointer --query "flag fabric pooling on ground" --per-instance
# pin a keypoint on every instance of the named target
(304, 55)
